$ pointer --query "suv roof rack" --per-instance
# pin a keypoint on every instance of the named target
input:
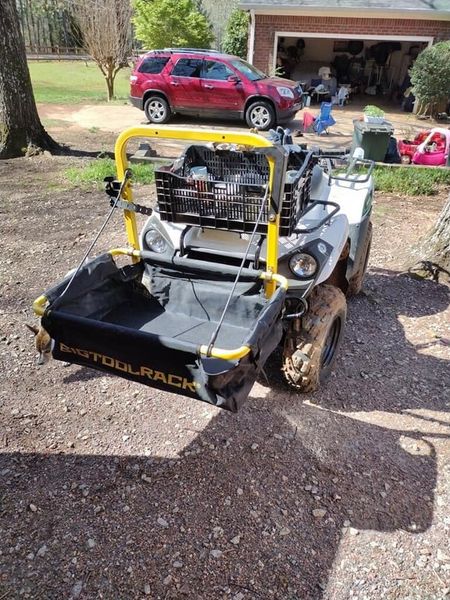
(196, 50)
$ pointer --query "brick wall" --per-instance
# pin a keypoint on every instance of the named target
(267, 25)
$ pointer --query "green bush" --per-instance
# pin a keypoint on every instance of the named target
(373, 111)
(236, 34)
(96, 171)
(171, 23)
(411, 181)
(430, 76)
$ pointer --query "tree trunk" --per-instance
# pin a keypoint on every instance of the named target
(34, 34)
(51, 35)
(110, 75)
(433, 253)
(30, 36)
(110, 85)
(20, 125)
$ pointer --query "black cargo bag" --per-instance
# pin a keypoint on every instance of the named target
(108, 320)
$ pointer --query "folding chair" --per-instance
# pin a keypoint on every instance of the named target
(324, 120)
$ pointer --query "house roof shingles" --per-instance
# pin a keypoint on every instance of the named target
(412, 5)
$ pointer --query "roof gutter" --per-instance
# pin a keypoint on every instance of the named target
(270, 9)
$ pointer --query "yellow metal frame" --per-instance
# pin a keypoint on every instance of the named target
(271, 277)
(39, 305)
(195, 135)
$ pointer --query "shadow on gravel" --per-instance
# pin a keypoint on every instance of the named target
(84, 374)
(236, 508)
(397, 374)
(74, 152)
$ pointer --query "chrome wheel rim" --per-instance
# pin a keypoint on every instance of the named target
(260, 116)
(156, 111)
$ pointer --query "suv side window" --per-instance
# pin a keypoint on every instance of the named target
(188, 67)
(153, 64)
(216, 70)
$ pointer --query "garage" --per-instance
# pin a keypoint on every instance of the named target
(362, 65)
(366, 46)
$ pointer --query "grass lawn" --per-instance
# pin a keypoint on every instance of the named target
(72, 82)
(411, 181)
(95, 172)
(407, 180)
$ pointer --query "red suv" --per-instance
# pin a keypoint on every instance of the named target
(211, 84)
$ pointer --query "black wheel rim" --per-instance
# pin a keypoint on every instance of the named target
(331, 342)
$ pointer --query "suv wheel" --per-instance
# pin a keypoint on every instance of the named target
(260, 115)
(157, 110)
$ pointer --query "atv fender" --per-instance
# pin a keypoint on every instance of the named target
(336, 235)
(357, 235)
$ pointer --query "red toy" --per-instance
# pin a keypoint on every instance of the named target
(428, 148)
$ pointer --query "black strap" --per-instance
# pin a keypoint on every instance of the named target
(137, 208)
(114, 190)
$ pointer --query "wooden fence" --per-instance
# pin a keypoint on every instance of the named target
(55, 53)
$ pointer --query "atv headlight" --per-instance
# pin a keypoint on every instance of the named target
(285, 92)
(303, 265)
(155, 241)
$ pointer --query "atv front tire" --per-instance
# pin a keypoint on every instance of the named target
(312, 341)
(356, 281)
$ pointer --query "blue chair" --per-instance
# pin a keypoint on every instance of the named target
(324, 120)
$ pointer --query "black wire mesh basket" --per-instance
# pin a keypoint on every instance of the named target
(224, 189)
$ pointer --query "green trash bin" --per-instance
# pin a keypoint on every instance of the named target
(373, 138)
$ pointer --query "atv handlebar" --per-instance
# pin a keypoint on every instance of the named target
(326, 218)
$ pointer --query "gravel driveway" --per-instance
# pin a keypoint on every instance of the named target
(113, 490)
(116, 117)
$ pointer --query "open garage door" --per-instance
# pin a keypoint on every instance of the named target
(371, 65)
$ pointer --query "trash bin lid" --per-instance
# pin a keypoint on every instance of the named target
(363, 127)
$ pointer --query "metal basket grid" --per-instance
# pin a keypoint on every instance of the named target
(230, 197)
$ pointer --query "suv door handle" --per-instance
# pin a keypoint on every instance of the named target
(208, 86)
(174, 83)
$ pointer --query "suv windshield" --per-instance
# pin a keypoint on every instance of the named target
(248, 70)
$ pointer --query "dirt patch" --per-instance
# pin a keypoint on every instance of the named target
(113, 490)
